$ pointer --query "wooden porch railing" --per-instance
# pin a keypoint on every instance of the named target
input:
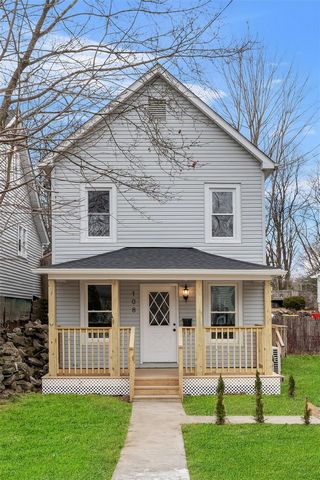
(88, 351)
(236, 350)
(280, 338)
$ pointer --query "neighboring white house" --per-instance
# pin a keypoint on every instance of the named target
(139, 287)
(22, 236)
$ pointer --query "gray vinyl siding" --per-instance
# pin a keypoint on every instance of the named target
(68, 305)
(16, 277)
(142, 221)
(253, 303)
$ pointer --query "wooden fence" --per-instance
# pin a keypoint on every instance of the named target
(303, 333)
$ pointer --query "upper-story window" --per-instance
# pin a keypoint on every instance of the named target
(98, 210)
(99, 213)
(22, 241)
(222, 213)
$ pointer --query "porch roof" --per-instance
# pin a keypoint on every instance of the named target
(178, 262)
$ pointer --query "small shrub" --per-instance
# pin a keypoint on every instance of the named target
(291, 387)
(259, 416)
(220, 386)
(294, 303)
(307, 413)
(220, 408)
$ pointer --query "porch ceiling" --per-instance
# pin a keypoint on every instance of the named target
(159, 263)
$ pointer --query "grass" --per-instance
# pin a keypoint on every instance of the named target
(54, 437)
(244, 452)
(306, 372)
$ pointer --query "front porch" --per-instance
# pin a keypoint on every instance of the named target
(104, 359)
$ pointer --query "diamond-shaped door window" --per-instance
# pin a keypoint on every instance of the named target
(159, 309)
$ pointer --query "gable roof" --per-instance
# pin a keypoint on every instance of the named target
(166, 260)
(159, 71)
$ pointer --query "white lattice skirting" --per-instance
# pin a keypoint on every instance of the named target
(233, 385)
(84, 386)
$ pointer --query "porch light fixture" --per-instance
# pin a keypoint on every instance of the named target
(185, 293)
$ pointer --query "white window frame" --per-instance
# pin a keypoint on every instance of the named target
(24, 250)
(236, 204)
(238, 299)
(84, 299)
(84, 234)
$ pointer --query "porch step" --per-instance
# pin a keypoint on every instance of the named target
(156, 390)
(173, 398)
(151, 381)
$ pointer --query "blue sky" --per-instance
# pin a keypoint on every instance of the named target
(288, 28)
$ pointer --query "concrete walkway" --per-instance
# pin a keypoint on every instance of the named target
(154, 448)
(238, 420)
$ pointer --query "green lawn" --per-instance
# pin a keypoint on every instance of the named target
(306, 372)
(247, 452)
(57, 437)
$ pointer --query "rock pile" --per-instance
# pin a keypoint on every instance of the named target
(23, 358)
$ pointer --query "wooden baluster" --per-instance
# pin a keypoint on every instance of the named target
(63, 351)
(245, 332)
(251, 347)
(234, 350)
(80, 347)
(240, 350)
(210, 351)
(87, 353)
(75, 351)
(98, 348)
(104, 351)
(69, 353)
(228, 348)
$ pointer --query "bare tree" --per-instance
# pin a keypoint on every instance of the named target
(266, 102)
(61, 61)
(308, 223)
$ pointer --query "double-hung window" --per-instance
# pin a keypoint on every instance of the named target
(22, 241)
(224, 308)
(99, 306)
(98, 210)
(222, 213)
(98, 213)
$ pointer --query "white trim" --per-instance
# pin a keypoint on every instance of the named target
(236, 202)
(158, 70)
(239, 300)
(144, 287)
(84, 188)
(148, 274)
(84, 298)
(23, 253)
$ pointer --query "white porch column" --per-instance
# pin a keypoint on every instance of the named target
(267, 328)
(53, 336)
(199, 340)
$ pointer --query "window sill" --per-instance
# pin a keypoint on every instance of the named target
(223, 240)
(98, 240)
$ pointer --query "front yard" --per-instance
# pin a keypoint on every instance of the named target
(258, 451)
(55, 437)
(242, 452)
(306, 372)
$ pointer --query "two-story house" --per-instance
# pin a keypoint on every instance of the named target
(22, 233)
(157, 299)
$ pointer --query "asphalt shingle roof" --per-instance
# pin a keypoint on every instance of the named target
(160, 258)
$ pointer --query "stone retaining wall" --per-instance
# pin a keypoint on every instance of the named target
(23, 358)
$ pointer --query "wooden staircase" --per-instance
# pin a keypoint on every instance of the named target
(156, 384)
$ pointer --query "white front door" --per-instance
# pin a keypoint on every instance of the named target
(159, 323)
